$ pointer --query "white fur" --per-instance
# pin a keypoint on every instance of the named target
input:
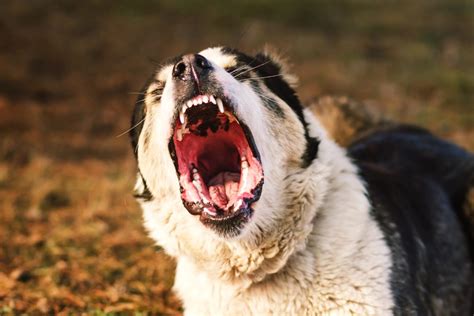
(311, 247)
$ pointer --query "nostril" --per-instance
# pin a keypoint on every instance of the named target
(179, 69)
(202, 62)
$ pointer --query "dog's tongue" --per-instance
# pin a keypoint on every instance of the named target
(224, 187)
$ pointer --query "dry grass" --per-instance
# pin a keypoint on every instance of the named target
(70, 231)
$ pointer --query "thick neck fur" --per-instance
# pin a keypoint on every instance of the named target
(320, 251)
(308, 194)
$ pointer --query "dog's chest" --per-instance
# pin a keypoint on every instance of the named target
(281, 294)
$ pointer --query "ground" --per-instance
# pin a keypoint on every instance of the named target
(71, 238)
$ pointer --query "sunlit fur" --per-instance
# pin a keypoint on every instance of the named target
(311, 247)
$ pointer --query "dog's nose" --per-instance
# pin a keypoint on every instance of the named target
(193, 66)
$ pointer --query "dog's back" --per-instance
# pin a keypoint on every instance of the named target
(417, 184)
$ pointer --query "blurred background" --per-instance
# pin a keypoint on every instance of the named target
(71, 238)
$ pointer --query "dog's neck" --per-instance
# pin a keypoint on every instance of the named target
(308, 194)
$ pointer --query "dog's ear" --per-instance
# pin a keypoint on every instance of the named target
(273, 64)
(138, 117)
(153, 89)
(273, 70)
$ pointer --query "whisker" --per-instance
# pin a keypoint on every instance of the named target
(262, 64)
(237, 70)
(130, 129)
(264, 77)
(156, 97)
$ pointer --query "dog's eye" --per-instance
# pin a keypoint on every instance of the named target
(157, 90)
(232, 70)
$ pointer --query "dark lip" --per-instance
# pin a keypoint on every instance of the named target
(235, 221)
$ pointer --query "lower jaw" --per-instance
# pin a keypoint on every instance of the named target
(229, 226)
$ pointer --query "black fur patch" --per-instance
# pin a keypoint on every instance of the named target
(145, 194)
(138, 118)
(416, 185)
(270, 72)
(268, 101)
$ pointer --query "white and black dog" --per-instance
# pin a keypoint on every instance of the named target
(266, 215)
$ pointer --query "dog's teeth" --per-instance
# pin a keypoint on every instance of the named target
(198, 186)
(200, 100)
(237, 205)
(196, 175)
(189, 103)
(205, 99)
(245, 172)
(179, 135)
(195, 102)
(212, 99)
(181, 117)
(244, 164)
(184, 108)
(220, 105)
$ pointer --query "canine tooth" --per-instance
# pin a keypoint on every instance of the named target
(245, 164)
(184, 108)
(197, 185)
(205, 99)
(237, 205)
(220, 105)
(245, 172)
(189, 103)
(195, 170)
(212, 99)
(181, 117)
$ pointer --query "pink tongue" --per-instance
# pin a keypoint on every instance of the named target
(224, 187)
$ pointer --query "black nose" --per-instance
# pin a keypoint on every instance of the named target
(191, 67)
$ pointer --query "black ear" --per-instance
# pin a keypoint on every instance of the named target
(273, 71)
(138, 117)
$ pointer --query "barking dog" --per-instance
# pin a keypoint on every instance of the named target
(266, 215)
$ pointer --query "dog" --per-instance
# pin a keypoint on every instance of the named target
(266, 215)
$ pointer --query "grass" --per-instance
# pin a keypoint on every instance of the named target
(71, 234)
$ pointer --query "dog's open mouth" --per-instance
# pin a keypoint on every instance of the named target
(218, 164)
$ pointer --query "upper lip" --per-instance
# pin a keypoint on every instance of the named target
(197, 100)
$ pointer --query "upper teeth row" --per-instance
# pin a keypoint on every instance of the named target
(200, 99)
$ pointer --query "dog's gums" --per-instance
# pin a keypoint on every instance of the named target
(217, 163)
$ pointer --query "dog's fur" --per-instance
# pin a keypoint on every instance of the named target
(376, 230)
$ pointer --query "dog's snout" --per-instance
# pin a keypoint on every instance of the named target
(191, 67)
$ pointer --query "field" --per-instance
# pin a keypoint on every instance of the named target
(71, 239)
